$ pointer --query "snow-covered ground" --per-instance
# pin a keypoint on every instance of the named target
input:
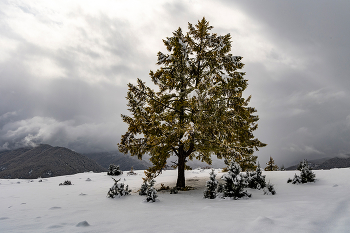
(32, 206)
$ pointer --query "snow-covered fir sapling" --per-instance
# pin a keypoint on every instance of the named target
(66, 182)
(306, 174)
(118, 189)
(235, 182)
(114, 170)
(151, 191)
(255, 179)
(144, 186)
(211, 185)
(269, 189)
(296, 179)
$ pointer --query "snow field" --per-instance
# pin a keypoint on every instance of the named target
(45, 206)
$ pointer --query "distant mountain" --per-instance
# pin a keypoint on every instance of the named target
(334, 163)
(125, 162)
(326, 163)
(313, 164)
(44, 161)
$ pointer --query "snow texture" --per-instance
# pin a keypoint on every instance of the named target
(322, 207)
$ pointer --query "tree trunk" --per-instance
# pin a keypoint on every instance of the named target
(181, 170)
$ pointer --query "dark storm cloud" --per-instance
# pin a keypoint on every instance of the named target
(303, 109)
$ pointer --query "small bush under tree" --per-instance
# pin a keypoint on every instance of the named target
(144, 186)
(211, 186)
(151, 192)
(234, 182)
(118, 189)
(255, 179)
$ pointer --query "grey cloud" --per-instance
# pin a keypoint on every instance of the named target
(300, 86)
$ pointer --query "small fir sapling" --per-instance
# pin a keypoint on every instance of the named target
(235, 182)
(118, 189)
(151, 191)
(66, 182)
(144, 186)
(306, 174)
(269, 189)
(114, 170)
(295, 180)
(220, 188)
(255, 179)
(271, 166)
(211, 186)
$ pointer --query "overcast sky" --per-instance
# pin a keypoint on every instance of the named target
(65, 66)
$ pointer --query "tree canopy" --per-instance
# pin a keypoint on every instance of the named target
(198, 110)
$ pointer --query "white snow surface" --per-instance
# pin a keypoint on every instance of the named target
(33, 206)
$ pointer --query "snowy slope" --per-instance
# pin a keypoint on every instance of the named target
(47, 207)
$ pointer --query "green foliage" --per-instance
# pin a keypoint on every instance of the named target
(143, 190)
(306, 175)
(114, 170)
(198, 110)
(271, 166)
(118, 189)
(66, 182)
(255, 179)
(151, 193)
(235, 182)
(211, 186)
(296, 179)
(269, 189)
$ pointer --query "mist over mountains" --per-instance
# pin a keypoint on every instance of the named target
(125, 162)
(48, 161)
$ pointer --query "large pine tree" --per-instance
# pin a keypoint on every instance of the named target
(198, 110)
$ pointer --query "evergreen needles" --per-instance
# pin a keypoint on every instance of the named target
(114, 170)
(198, 108)
(306, 175)
(211, 186)
(118, 189)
